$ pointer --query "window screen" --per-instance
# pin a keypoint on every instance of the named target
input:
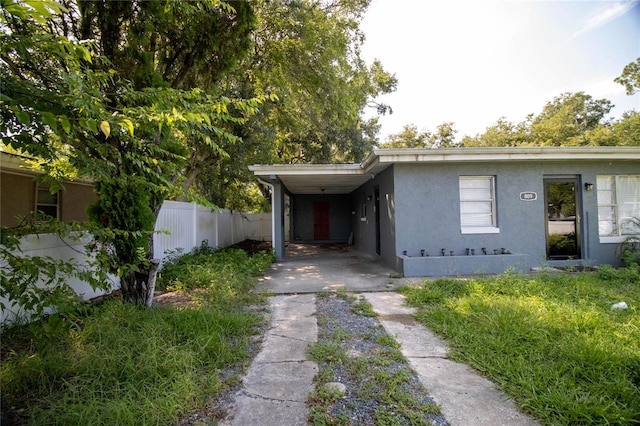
(477, 202)
(618, 204)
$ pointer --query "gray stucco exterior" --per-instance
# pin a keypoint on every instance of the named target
(406, 210)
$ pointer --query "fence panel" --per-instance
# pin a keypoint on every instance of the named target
(175, 228)
(225, 228)
(181, 225)
(206, 226)
(51, 245)
(257, 226)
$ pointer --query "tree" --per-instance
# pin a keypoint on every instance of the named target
(307, 53)
(502, 133)
(125, 91)
(630, 77)
(566, 119)
(569, 119)
(410, 137)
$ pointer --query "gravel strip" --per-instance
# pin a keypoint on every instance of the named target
(368, 401)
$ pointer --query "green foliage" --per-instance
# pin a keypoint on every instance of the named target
(126, 106)
(364, 308)
(410, 137)
(307, 56)
(550, 341)
(630, 77)
(206, 266)
(561, 244)
(124, 364)
(37, 285)
(570, 119)
(629, 250)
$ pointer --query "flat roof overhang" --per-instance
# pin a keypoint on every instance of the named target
(345, 178)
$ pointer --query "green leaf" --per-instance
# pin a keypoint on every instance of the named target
(89, 124)
(50, 120)
(23, 117)
(127, 124)
(64, 121)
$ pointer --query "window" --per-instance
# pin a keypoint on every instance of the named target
(46, 202)
(618, 204)
(478, 205)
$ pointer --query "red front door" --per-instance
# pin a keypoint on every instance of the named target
(321, 220)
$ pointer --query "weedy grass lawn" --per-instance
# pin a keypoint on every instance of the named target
(121, 364)
(551, 341)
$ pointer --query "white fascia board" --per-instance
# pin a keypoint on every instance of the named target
(507, 154)
(306, 169)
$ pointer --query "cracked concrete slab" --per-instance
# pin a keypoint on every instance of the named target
(282, 349)
(275, 388)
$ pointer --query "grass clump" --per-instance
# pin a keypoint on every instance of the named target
(354, 349)
(551, 341)
(128, 365)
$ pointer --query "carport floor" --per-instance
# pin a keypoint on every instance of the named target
(277, 384)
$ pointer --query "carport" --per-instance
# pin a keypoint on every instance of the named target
(311, 184)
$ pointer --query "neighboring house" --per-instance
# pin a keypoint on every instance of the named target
(432, 212)
(20, 194)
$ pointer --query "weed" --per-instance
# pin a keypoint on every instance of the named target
(364, 308)
(123, 364)
(551, 342)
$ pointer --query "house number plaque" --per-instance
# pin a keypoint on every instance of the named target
(528, 196)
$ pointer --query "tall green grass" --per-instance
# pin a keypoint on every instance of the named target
(128, 365)
(551, 341)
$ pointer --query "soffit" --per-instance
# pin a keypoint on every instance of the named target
(317, 178)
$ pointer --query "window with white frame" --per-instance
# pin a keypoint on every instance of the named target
(478, 205)
(618, 206)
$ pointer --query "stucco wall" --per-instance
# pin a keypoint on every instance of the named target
(302, 227)
(428, 209)
(365, 227)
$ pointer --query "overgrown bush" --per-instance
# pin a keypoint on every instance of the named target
(124, 364)
(629, 250)
(206, 265)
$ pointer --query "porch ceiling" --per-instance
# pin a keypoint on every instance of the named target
(314, 178)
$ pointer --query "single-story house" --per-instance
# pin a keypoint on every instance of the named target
(22, 194)
(434, 212)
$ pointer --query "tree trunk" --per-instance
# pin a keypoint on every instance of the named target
(138, 287)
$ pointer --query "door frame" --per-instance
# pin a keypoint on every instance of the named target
(577, 195)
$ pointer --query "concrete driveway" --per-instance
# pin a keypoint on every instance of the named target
(280, 378)
(310, 268)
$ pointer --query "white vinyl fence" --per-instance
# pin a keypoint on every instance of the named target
(190, 224)
(180, 225)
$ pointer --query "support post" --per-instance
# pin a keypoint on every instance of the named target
(277, 210)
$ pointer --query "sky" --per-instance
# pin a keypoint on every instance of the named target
(472, 62)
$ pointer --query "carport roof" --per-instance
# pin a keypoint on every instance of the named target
(345, 178)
